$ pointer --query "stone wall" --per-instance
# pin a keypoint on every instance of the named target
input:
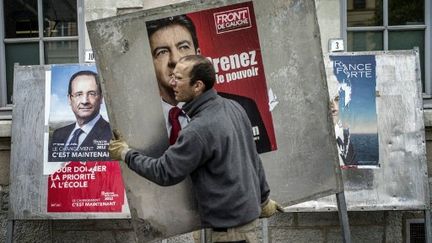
(4, 185)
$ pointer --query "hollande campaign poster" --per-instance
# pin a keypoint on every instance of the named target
(77, 120)
(228, 37)
(354, 112)
(81, 177)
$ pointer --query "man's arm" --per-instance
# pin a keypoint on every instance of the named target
(173, 166)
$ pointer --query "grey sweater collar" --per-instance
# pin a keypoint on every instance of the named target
(194, 106)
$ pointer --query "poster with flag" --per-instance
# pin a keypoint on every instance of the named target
(355, 111)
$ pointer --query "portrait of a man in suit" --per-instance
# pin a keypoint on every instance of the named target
(170, 39)
(87, 138)
(346, 152)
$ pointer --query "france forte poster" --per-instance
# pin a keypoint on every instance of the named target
(354, 113)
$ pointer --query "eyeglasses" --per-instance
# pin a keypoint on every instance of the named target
(90, 94)
(176, 80)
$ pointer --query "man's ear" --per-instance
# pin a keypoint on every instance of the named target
(199, 86)
(70, 99)
(198, 51)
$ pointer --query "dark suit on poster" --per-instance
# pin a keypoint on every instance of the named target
(96, 141)
(346, 148)
(262, 139)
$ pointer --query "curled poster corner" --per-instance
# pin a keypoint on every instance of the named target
(273, 102)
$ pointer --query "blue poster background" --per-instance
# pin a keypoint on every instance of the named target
(356, 77)
(60, 110)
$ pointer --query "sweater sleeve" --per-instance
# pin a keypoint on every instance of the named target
(264, 187)
(177, 162)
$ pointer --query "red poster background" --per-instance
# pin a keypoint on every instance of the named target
(95, 186)
(239, 37)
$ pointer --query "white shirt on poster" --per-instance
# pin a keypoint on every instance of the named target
(183, 118)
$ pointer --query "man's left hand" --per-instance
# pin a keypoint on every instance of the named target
(117, 147)
(269, 208)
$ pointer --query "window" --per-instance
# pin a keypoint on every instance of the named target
(37, 32)
(373, 25)
(359, 4)
(415, 231)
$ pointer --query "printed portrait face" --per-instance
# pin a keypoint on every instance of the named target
(168, 45)
(85, 99)
(335, 106)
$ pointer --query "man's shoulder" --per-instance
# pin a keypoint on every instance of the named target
(101, 129)
(102, 123)
(210, 120)
(62, 133)
(67, 128)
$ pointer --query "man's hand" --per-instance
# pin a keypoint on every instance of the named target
(117, 147)
(269, 208)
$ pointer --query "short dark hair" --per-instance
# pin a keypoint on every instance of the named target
(202, 70)
(182, 20)
(85, 73)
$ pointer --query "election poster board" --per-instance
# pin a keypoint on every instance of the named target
(304, 164)
(355, 116)
(228, 37)
(56, 190)
(66, 110)
(81, 177)
(391, 173)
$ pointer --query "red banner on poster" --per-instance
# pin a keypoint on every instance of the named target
(228, 37)
(86, 187)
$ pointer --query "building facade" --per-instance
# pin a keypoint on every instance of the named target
(39, 32)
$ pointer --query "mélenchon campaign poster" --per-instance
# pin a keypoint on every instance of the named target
(81, 177)
(228, 37)
(355, 115)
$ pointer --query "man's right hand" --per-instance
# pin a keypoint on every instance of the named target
(269, 208)
(117, 147)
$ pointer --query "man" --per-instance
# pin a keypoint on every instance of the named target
(170, 39)
(88, 137)
(346, 151)
(217, 150)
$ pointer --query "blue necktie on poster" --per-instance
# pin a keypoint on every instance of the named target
(73, 144)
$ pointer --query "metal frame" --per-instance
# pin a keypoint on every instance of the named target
(385, 28)
(9, 231)
(4, 106)
(265, 233)
(343, 217)
(428, 47)
(81, 30)
(3, 92)
(344, 20)
(428, 232)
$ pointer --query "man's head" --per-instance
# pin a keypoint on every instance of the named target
(334, 106)
(85, 96)
(170, 39)
(192, 76)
